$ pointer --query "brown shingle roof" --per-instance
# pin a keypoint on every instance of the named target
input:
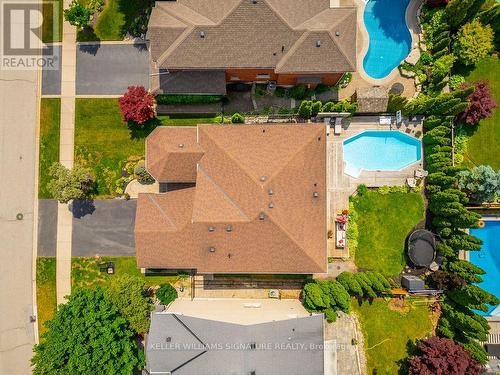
(246, 171)
(241, 34)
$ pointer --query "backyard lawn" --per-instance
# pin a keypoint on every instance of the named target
(45, 290)
(103, 141)
(390, 331)
(49, 10)
(50, 110)
(86, 271)
(384, 222)
(484, 145)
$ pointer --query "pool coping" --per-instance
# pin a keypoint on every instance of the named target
(383, 170)
(412, 24)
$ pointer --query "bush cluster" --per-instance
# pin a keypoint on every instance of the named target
(310, 108)
(166, 294)
(188, 99)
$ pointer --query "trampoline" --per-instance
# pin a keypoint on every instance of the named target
(422, 248)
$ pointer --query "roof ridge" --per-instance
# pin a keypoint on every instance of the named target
(292, 50)
(278, 14)
(174, 45)
(335, 42)
(195, 336)
(220, 189)
(162, 211)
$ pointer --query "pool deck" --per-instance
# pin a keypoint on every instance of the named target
(360, 79)
(340, 186)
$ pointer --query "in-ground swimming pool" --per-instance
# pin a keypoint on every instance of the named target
(390, 39)
(488, 258)
(388, 150)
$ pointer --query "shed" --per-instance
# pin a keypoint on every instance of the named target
(372, 99)
(412, 283)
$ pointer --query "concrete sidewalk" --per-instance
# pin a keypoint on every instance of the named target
(66, 155)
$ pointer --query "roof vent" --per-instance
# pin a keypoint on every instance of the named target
(262, 178)
(315, 194)
(337, 33)
(229, 228)
(202, 34)
(211, 229)
(211, 249)
(262, 216)
(318, 43)
(270, 205)
(180, 145)
(270, 191)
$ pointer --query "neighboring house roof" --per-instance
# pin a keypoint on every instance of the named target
(185, 345)
(194, 82)
(278, 34)
(259, 200)
(372, 99)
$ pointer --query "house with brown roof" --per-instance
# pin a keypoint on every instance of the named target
(197, 46)
(253, 200)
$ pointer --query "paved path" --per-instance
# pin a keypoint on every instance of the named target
(66, 153)
(109, 68)
(19, 98)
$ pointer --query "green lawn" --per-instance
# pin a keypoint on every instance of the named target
(86, 272)
(50, 116)
(45, 290)
(389, 333)
(384, 222)
(103, 141)
(484, 145)
(115, 19)
(48, 34)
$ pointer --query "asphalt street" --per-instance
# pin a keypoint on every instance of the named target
(18, 128)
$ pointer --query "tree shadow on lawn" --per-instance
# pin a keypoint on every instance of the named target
(411, 350)
(142, 131)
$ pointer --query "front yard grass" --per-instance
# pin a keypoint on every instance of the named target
(103, 140)
(50, 35)
(484, 144)
(50, 116)
(85, 272)
(45, 290)
(384, 222)
(390, 332)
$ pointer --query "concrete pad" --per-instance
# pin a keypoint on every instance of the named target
(239, 311)
(106, 69)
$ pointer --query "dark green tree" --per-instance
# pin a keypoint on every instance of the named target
(87, 334)
(166, 293)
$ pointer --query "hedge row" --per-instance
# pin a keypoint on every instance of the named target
(188, 99)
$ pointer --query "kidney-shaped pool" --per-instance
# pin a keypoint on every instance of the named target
(388, 150)
(390, 39)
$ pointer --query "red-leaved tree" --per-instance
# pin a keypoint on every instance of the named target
(437, 3)
(481, 104)
(137, 105)
(440, 356)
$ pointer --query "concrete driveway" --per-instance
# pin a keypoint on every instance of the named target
(104, 227)
(51, 78)
(108, 69)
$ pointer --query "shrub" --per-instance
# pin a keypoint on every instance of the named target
(299, 92)
(315, 107)
(137, 105)
(482, 183)
(442, 67)
(305, 109)
(481, 104)
(345, 79)
(237, 118)
(473, 42)
(362, 189)
(456, 81)
(443, 356)
(326, 296)
(436, 3)
(166, 294)
(352, 229)
(77, 14)
(426, 58)
(95, 5)
(188, 99)
(142, 174)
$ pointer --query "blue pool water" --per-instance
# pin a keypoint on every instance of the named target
(488, 258)
(380, 150)
(390, 40)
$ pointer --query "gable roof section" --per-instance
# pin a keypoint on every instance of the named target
(243, 34)
(258, 180)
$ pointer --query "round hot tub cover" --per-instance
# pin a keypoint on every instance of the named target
(422, 248)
